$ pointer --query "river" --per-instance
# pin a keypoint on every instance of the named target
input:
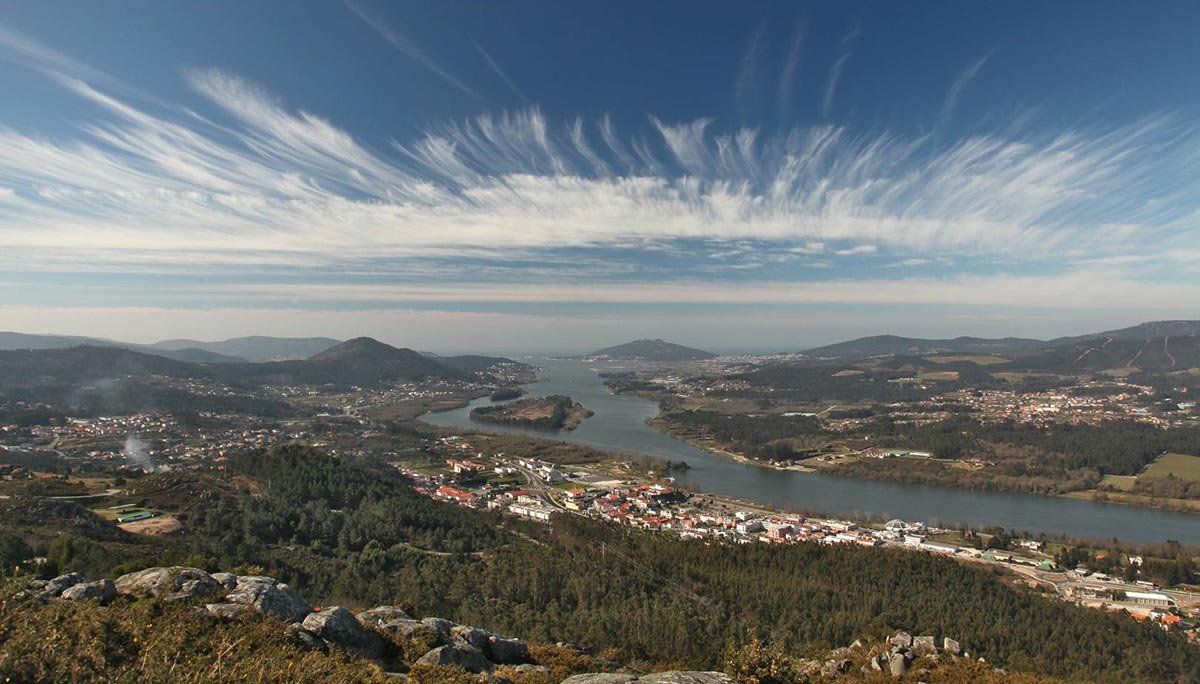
(619, 424)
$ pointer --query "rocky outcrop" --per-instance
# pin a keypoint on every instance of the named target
(55, 587)
(506, 651)
(168, 584)
(267, 596)
(463, 655)
(378, 617)
(226, 579)
(103, 590)
(339, 627)
(902, 654)
(228, 611)
(380, 633)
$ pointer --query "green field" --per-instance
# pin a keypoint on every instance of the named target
(937, 376)
(978, 359)
(1121, 482)
(1180, 465)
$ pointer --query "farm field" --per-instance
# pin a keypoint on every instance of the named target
(978, 359)
(1181, 466)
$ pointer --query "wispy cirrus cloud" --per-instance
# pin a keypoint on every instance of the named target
(409, 48)
(256, 185)
(956, 89)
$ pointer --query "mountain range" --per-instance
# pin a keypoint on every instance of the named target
(115, 379)
(1163, 344)
(237, 350)
(651, 350)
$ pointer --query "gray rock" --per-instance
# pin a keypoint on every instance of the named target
(898, 665)
(506, 651)
(472, 636)
(600, 678)
(266, 595)
(404, 628)
(924, 645)
(169, 584)
(686, 678)
(304, 640)
(339, 627)
(56, 586)
(103, 589)
(225, 579)
(951, 646)
(877, 663)
(468, 658)
(442, 627)
(378, 616)
(834, 666)
(227, 611)
(901, 639)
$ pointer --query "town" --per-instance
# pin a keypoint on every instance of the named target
(619, 493)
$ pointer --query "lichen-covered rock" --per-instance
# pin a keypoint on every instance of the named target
(601, 678)
(406, 628)
(686, 678)
(472, 636)
(506, 651)
(951, 646)
(901, 639)
(169, 584)
(227, 611)
(442, 627)
(104, 590)
(55, 587)
(267, 596)
(338, 626)
(467, 657)
(304, 640)
(897, 664)
(381, 615)
(924, 645)
(225, 579)
(835, 666)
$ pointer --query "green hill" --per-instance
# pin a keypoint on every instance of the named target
(891, 345)
(651, 350)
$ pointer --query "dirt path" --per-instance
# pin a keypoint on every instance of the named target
(1167, 352)
(1139, 353)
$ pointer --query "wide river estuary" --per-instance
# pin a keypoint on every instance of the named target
(620, 425)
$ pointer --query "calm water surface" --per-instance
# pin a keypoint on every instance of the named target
(619, 425)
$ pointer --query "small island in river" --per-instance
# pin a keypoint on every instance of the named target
(556, 412)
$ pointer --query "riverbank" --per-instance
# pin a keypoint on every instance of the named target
(620, 426)
(917, 470)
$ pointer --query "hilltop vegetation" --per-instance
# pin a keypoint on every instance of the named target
(354, 533)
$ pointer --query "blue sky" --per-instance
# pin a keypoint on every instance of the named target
(559, 176)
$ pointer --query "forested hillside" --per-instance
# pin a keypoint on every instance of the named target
(355, 533)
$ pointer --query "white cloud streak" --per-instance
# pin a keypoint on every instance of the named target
(835, 71)
(956, 89)
(409, 48)
(791, 66)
